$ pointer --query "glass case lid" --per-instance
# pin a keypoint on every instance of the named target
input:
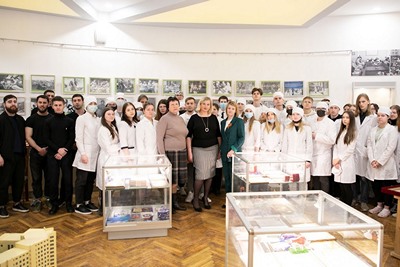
(269, 157)
(137, 161)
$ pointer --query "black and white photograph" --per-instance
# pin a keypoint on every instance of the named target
(20, 105)
(69, 108)
(100, 86)
(41, 83)
(318, 88)
(395, 62)
(270, 87)
(171, 87)
(244, 88)
(220, 87)
(13, 83)
(125, 85)
(101, 104)
(148, 86)
(370, 63)
(73, 85)
(197, 87)
(293, 89)
(153, 100)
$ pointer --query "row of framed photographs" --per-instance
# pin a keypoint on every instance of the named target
(149, 86)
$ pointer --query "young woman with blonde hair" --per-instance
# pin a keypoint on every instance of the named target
(271, 133)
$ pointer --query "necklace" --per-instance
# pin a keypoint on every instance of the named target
(206, 127)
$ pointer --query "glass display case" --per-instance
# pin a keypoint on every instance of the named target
(303, 228)
(267, 171)
(136, 196)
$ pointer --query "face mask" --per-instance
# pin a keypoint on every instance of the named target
(321, 113)
(91, 108)
(248, 114)
(271, 121)
(114, 107)
(289, 111)
(138, 113)
(120, 102)
(297, 121)
(222, 106)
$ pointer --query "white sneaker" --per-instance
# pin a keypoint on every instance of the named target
(201, 197)
(376, 210)
(189, 197)
(384, 213)
(364, 207)
(394, 215)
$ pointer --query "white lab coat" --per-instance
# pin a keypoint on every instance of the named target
(108, 147)
(281, 115)
(346, 154)
(382, 150)
(146, 140)
(252, 139)
(361, 154)
(397, 155)
(272, 141)
(325, 137)
(127, 136)
(311, 120)
(86, 129)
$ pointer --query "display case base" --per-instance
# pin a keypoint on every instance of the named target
(137, 234)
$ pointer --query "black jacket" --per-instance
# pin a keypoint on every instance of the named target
(59, 131)
(7, 137)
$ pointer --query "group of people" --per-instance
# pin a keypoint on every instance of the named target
(347, 155)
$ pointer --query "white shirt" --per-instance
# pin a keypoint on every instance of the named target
(146, 139)
(127, 136)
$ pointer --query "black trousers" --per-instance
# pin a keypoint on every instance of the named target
(346, 193)
(53, 167)
(382, 197)
(38, 166)
(84, 185)
(12, 173)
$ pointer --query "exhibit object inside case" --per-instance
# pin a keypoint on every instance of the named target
(267, 171)
(136, 196)
(303, 228)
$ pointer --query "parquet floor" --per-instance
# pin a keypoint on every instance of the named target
(196, 239)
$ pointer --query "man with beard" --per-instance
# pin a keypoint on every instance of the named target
(79, 109)
(37, 155)
(50, 95)
(12, 155)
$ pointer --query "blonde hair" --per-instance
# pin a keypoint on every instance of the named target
(204, 99)
(301, 125)
(269, 127)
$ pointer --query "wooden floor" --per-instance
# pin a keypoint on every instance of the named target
(196, 239)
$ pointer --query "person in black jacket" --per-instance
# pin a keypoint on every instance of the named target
(59, 133)
(12, 155)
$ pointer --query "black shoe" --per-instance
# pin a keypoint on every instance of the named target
(199, 209)
(62, 203)
(53, 210)
(82, 209)
(90, 206)
(177, 207)
(3, 212)
(223, 206)
(19, 207)
(206, 204)
(69, 207)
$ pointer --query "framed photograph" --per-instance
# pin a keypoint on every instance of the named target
(293, 89)
(101, 104)
(270, 87)
(12, 83)
(220, 87)
(154, 101)
(73, 85)
(41, 83)
(20, 105)
(197, 87)
(125, 85)
(244, 88)
(318, 88)
(69, 108)
(148, 86)
(170, 87)
(99, 86)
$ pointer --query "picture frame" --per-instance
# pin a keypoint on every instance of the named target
(270, 87)
(148, 86)
(197, 87)
(99, 86)
(73, 85)
(69, 108)
(244, 88)
(125, 85)
(154, 101)
(101, 105)
(12, 83)
(20, 105)
(318, 88)
(171, 87)
(293, 89)
(41, 83)
(221, 87)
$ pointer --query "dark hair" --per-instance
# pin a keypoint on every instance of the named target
(171, 99)
(42, 96)
(376, 107)
(326, 100)
(347, 105)
(257, 90)
(223, 97)
(148, 104)
(351, 129)
(77, 95)
(142, 96)
(216, 106)
(158, 114)
(49, 91)
(8, 97)
(105, 124)
(124, 117)
(58, 98)
(190, 98)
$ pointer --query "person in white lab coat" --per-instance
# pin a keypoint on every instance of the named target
(365, 121)
(271, 133)
(108, 140)
(297, 139)
(278, 100)
(289, 109)
(310, 116)
(146, 132)
(324, 135)
(382, 169)
(85, 161)
(343, 156)
(252, 128)
(127, 129)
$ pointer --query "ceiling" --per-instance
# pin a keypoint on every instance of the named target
(205, 13)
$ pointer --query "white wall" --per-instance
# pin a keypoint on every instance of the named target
(229, 54)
